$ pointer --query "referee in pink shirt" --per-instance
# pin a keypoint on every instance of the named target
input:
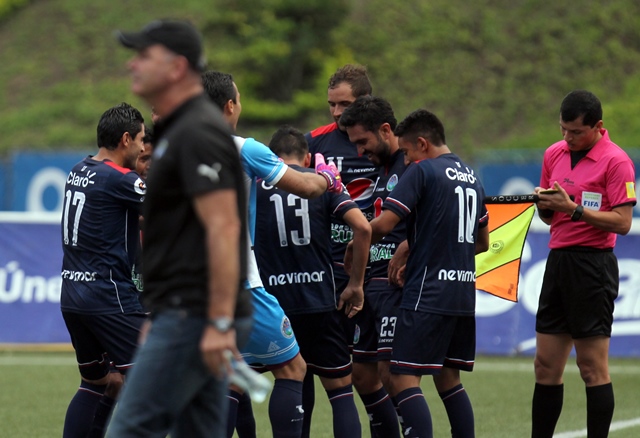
(587, 194)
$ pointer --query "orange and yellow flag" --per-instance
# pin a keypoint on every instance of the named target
(498, 270)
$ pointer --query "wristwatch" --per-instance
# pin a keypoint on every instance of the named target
(577, 213)
(221, 323)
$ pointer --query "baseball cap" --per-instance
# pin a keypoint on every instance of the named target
(178, 36)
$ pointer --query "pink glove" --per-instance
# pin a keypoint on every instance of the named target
(330, 173)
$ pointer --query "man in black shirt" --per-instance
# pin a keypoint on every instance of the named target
(194, 262)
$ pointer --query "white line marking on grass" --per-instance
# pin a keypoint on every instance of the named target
(616, 425)
(571, 368)
(36, 361)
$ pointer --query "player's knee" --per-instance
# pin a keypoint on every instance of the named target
(114, 385)
(294, 370)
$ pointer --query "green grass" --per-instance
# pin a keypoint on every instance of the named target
(35, 388)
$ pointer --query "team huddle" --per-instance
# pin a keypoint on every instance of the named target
(346, 253)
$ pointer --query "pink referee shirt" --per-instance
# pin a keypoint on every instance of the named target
(604, 179)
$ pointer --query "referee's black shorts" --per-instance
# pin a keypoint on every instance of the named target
(578, 290)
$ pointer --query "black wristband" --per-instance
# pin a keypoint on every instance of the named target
(577, 213)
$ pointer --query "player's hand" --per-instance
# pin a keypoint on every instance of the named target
(398, 263)
(348, 257)
(352, 299)
(213, 345)
(330, 173)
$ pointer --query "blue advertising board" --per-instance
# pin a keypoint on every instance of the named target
(31, 258)
(36, 179)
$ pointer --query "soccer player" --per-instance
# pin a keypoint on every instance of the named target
(441, 199)
(595, 183)
(370, 122)
(272, 343)
(99, 300)
(194, 250)
(358, 175)
(293, 250)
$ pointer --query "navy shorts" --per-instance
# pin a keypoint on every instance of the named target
(425, 342)
(102, 339)
(578, 291)
(322, 341)
(376, 322)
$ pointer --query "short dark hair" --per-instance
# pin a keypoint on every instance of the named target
(422, 123)
(290, 142)
(581, 103)
(219, 87)
(370, 112)
(117, 120)
(354, 75)
(148, 135)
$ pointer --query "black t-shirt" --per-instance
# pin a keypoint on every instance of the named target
(194, 154)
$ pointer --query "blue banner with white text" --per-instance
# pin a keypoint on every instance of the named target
(31, 258)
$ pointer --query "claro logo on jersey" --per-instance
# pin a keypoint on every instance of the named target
(296, 278)
(465, 175)
(457, 275)
(77, 180)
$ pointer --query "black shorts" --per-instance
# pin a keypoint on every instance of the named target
(425, 342)
(578, 291)
(100, 340)
(376, 322)
(322, 341)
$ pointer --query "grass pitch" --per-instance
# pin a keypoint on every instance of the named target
(35, 389)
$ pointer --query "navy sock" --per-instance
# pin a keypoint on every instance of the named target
(346, 422)
(81, 410)
(101, 417)
(285, 408)
(245, 421)
(232, 413)
(545, 409)
(415, 412)
(600, 405)
(308, 401)
(400, 420)
(382, 414)
(456, 402)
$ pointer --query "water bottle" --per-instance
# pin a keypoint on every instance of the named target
(250, 381)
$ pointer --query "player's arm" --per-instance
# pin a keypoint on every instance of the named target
(397, 264)
(218, 212)
(482, 242)
(353, 295)
(304, 184)
(383, 225)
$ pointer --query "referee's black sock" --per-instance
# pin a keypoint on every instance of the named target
(600, 405)
(545, 409)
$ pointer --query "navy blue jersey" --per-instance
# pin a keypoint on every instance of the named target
(100, 238)
(358, 176)
(442, 201)
(381, 252)
(292, 246)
